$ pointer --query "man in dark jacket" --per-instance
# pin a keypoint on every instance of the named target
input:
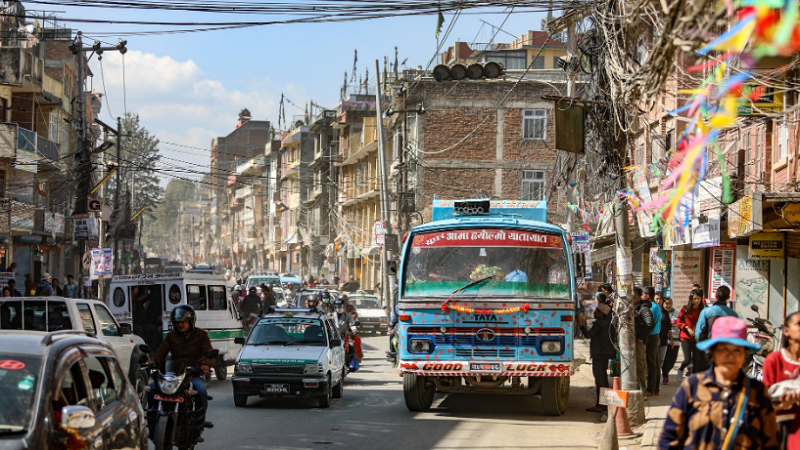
(250, 305)
(644, 324)
(653, 342)
(601, 347)
(268, 296)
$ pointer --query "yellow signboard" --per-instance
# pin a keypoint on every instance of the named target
(766, 99)
(744, 217)
(767, 246)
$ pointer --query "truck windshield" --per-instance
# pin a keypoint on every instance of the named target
(522, 263)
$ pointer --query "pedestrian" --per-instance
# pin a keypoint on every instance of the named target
(268, 297)
(707, 317)
(30, 285)
(687, 322)
(783, 365)
(57, 291)
(664, 338)
(722, 408)
(44, 288)
(608, 291)
(674, 334)
(643, 324)
(336, 280)
(601, 347)
(653, 343)
(6, 291)
(12, 287)
(71, 288)
(11, 268)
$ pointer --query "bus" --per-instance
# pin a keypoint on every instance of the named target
(487, 304)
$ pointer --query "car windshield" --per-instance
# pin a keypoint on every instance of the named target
(304, 296)
(18, 381)
(257, 281)
(514, 263)
(288, 331)
(365, 302)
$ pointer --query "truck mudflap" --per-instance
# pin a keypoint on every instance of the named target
(488, 368)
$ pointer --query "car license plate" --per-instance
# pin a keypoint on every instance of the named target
(276, 389)
(484, 367)
(165, 398)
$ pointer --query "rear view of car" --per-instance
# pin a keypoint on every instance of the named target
(372, 316)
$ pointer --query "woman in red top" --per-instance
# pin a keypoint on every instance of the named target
(785, 365)
(687, 321)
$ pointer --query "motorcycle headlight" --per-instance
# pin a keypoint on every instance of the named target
(313, 368)
(244, 367)
(169, 384)
(551, 346)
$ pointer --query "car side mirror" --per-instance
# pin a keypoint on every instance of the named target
(212, 353)
(125, 328)
(336, 343)
(77, 417)
(238, 340)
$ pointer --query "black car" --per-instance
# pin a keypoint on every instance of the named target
(65, 381)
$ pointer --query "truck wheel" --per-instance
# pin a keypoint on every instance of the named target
(325, 399)
(555, 395)
(417, 394)
(221, 371)
(240, 400)
(338, 391)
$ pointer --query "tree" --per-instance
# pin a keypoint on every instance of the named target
(160, 229)
(138, 172)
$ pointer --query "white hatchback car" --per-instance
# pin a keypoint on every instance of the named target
(291, 353)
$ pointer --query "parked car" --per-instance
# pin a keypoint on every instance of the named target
(47, 314)
(65, 379)
(291, 353)
(373, 317)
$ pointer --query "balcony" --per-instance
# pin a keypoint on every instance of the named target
(16, 65)
(30, 141)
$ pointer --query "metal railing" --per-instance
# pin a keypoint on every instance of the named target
(30, 141)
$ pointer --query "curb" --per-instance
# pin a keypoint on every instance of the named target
(652, 431)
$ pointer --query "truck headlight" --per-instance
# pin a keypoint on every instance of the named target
(551, 346)
(419, 346)
(313, 368)
(244, 367)
(169, 384)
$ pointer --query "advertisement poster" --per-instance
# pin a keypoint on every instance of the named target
(705, 235)
(84, 225)
(581, 244)
(723, 261)
(766, 246)
(658, 260)
(102, 263)
(752, 283)
(687, 269)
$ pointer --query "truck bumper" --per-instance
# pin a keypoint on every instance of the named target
(479, 368)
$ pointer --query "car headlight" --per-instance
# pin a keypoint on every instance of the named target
(169, 384)
(551, 346)
(420, 346)
(244, 367)
(383, 319)
(313, 368)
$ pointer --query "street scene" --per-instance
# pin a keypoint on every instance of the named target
(399, 224)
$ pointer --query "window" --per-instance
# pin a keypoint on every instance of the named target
(58, 316)
(103, 389)
(556, 59)
(534, 124)
(511, 60)
(532, 185)
(196, 296)
(34, 315)
(748, 156)
(783, 139)
(538, 63)
(73, 388)
(363, 169)
(217, 300)
(106, 321)
(11, 315)
(85, 314)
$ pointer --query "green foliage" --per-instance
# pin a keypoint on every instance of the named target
(139, 156)
(159, 229)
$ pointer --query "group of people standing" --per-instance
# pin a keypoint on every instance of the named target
(46, 287)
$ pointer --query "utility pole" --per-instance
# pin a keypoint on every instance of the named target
(386, 256)
(117, 203)
(194, 261)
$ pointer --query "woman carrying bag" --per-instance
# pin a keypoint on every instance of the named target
(722, 408)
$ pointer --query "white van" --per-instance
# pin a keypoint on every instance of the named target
(145, 301)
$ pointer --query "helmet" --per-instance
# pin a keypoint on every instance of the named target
(183, 313)
(325, 296)
(312, 301)
(252, 290)
(237, 288)
(339, 306)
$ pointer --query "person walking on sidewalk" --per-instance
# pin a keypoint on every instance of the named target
(674, 340)
(664, 337)
(643, 324)
(722, 408)
(707, 317)
(783, 365)
(687, 321)
(653, 342)
(601, 347)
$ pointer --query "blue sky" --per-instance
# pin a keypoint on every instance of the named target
(189, 88)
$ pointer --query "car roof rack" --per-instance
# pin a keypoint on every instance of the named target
(49, 337)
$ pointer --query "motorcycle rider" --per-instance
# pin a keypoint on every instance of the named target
(347, 325)
(189, 345)
(250, 306)
(325, 302)
(392, 324)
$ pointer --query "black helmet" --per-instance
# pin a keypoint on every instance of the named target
(183, 313)
(339, 305)
(252, 289)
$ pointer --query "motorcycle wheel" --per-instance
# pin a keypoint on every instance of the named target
(163, 434)
(221, 371)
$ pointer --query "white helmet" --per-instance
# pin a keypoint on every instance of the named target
(237, 287)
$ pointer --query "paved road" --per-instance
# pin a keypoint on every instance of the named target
(372, 415)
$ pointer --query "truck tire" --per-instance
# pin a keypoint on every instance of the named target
(240, 400)
(338, 390)
(221, 371)
(325, 399)
(417, 395)
(555, 395)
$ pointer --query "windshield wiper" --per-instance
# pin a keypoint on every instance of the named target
(469, 285)
(271, 343)
(307, 341)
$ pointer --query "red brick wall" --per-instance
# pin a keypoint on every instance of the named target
(444, 127)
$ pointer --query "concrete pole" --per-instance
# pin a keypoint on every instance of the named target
(624, 306)
(386, 282)
(84, 163)
(117, 202)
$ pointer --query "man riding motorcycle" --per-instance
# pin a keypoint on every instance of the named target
(347, 325)
(325, 302)
(189, 345)
(249, 309)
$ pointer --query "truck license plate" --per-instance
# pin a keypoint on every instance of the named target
(276, 389)
(484, 367)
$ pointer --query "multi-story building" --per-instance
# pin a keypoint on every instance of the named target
(295, 187)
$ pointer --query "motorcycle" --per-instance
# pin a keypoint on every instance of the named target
(391, 355)
(766, 336)
(348, 342)
(174, 420)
